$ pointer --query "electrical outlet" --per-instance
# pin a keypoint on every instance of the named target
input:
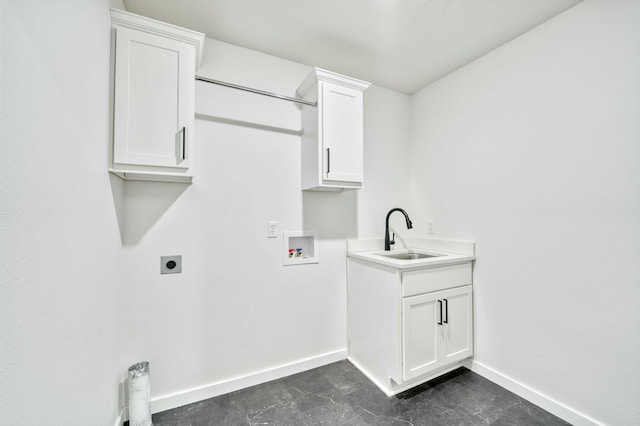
(272, 229)
(171, 264)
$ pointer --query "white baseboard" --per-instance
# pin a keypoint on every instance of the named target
(168, 402)
(541, 400)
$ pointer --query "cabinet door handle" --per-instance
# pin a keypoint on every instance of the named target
(446, 311)
(440, 303)
(184, 142)
(328, 160)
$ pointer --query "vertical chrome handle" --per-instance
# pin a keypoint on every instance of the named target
(440, 303)
(184, 142)
(328, 160)
(446, 311)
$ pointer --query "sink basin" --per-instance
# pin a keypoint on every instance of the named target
(408, 256)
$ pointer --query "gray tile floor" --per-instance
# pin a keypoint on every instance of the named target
(338, 394)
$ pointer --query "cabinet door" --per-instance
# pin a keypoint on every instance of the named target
(421, 337)
(457, 327)
(153, 117)
(342, 134)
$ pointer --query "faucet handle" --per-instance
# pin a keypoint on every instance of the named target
(393, 239)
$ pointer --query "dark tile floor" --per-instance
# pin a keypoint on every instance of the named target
(338, 394)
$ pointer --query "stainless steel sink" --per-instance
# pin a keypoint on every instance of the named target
(408, 256)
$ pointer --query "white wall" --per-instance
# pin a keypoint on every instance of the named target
(386, 162)
(60, 250)
(533, 152)
(236, 310)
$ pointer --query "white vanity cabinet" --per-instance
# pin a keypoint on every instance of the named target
(409, 326)
(332, 139)
(153, 98)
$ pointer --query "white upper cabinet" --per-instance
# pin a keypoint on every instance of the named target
(154, 83)
(332, 139)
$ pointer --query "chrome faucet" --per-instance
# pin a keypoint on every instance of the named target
(387, 240)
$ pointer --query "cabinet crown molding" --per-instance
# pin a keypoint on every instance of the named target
(142, 23)
(319, 74)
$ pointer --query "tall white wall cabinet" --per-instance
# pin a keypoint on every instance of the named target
(154, 83)
(332, 139)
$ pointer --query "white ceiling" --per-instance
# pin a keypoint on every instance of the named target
(399, 44)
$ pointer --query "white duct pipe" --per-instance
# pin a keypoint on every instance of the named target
(139, 394)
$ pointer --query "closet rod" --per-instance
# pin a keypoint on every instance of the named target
(259, 92)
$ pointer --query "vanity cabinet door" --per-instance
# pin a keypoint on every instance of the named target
(421, 337)
(457, 327)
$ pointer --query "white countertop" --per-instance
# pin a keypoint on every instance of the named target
(446, 252)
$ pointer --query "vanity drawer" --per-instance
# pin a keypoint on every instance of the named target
(434, 279)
